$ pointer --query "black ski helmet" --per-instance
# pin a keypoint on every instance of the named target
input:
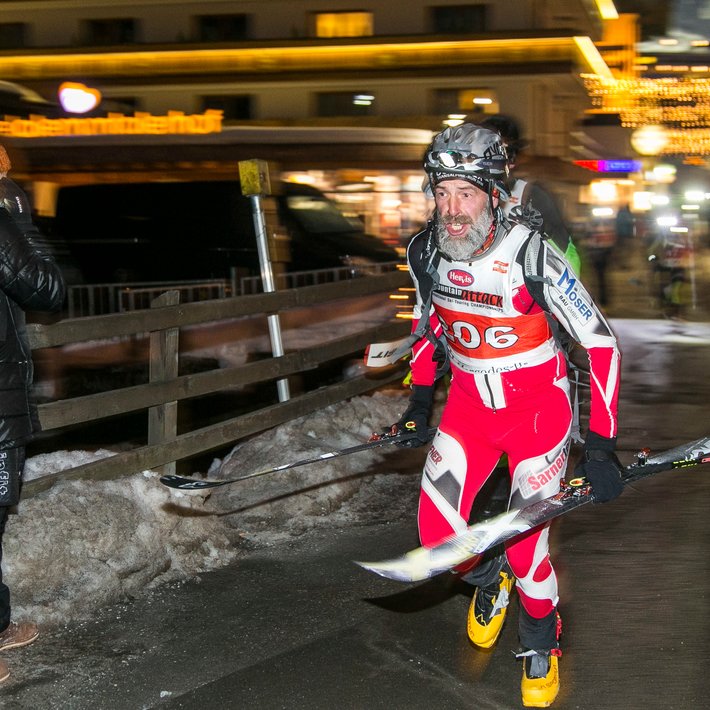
(509, 130)
(468, 152)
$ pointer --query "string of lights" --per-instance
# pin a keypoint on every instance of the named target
(681, 105)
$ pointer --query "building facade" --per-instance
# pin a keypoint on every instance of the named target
(385, 65)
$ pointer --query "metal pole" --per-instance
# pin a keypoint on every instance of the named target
(267, 278)
(254, 177)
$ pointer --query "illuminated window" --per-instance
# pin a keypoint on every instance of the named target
(237, 107)
(12, 35)
(454, 19)
(123, 30)
(345, 103)
(465, 101)
(343, 24)
(222, 28)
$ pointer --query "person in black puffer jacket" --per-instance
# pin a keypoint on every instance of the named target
(30, 280)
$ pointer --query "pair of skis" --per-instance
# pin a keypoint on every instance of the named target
(423, 563)
(185, 483)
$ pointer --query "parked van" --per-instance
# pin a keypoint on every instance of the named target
(169, 231)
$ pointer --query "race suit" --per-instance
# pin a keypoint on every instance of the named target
(509, 390)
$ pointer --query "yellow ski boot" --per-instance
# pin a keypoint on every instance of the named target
(488, 609)
(541, 677)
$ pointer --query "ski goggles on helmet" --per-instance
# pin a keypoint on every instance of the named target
(457, 162)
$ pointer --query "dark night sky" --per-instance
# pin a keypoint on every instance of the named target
(654, 14)
(659, 18)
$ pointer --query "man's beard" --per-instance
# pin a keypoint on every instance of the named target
(464, 247)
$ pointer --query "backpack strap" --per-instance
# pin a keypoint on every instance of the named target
(532, 258)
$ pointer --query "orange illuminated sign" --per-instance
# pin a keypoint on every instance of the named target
(114, 124)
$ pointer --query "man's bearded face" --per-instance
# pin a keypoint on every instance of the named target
(462, 248)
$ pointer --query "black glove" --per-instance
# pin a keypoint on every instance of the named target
(416, 417)
(601, 467)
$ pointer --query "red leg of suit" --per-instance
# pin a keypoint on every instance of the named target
(534, 434)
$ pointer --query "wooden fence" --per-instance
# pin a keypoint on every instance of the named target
(165, 389)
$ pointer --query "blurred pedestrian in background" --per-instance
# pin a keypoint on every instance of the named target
(670, 256)
(599, 248)
(625, 225)
(530, 201)
(29, 281)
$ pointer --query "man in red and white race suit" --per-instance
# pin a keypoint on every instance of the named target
(509, 392)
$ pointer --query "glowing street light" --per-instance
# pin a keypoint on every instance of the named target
(78, 98)
(649, 140)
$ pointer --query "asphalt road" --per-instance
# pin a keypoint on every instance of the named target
(300, 626)
(297, 625)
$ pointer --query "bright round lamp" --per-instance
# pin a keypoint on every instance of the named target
(649, 140)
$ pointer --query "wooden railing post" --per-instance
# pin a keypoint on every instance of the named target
(163, 366)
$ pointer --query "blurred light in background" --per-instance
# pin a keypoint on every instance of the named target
(664, 173)
(454, 119)
(604, 190)
(78, 98)
(641, 201)
(363, 99)
(300, 178)
(695, 195)
(621, 165)
(649, 140)
(602, 212)
(607, 9)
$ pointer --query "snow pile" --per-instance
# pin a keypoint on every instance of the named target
(83, 545)
(290, 496)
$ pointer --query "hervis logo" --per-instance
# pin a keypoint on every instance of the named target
(459, 277)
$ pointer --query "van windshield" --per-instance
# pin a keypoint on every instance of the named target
(319, 216)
